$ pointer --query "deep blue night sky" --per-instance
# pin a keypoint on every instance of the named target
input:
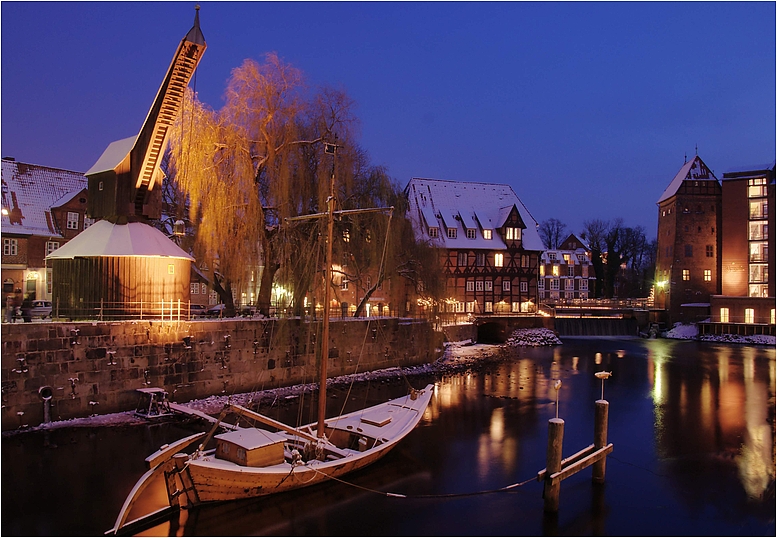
(585, 109)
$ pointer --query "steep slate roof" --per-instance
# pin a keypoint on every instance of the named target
(479, 205)
(693, 169)
(105, 238)
(29, 191)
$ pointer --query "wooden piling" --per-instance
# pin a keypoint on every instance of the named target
(552, 487)
(600, 438)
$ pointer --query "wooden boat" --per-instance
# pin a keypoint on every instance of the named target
(251, 462)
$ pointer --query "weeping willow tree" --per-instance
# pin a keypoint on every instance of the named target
(253, 163)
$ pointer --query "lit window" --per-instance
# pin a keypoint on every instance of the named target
(542, 270)
(489, 285)
(489, 306)
(72, 220)
(515, 306)
(344, 284)
(505, 285)
(771, 317)
(512, 234)
(470, 233)
(708, 275)
(486, 234)
(433, 231)
(459, 307)
(686, 274)
(569, 284)
(346, 236)
(555, 270)
(51, 246)
(451, 233)
(749, 315)
(499, 259)
(10, 247)
(470, 306)
(724, 315)
(170, 269)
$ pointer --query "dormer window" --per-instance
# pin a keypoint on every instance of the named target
(512, 234)
(552, 256)
(486, 234)
(72, 220)
(470, 233)
(433, 231)
(451, 233)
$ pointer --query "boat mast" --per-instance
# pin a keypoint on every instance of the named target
(330, 201)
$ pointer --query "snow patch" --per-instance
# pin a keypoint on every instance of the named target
(691, 332)
(533, 337)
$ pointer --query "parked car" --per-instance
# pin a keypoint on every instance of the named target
(36, 309)
(198, 310)
(215, 310)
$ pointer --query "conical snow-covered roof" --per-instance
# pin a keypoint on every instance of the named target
(106, 239)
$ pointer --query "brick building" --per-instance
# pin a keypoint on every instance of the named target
(489, 244)
(566, 273)
(688, 258)
(747, 294)
(42, 209)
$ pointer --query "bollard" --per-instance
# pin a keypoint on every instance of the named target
(600, 438)
(555, 441)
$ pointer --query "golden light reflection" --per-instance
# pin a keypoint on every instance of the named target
(575, 361)
(756, 466)
(658, 384)
(598, 358)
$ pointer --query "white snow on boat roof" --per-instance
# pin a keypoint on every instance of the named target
(113, 155)
(104, 239)
(437, 201)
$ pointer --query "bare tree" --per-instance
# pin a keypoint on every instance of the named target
(552, 233)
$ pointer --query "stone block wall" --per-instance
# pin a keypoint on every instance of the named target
(96, 367)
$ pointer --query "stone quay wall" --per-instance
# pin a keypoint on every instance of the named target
(59, 371)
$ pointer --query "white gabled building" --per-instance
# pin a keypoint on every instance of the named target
(490, 246)
(566, 272)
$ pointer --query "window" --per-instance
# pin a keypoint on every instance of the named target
(459, 306)
(87, 222)
(724, 315)
(489, 285)
(686, 274)
(489, 306)
(486, 234)
(49, 281)
(470, 233)
(499, 259)
(552, 256)
(541, 283)
(689, 251)
(461, 259)
(72, 220)
(346, 236)
(542, 270)
(505, 285)
(555, 270)
(10, 247)
(569, 284)
(433, 231)
(470, 306)
(194, 288)
(515, 306)
(470, 285)
(344, 284)
(524, 287)
(451, 233)
(524, 260)
(571, 270)
(170, 269)
(584, 284)
(51, 246)
(204, 288)
(554, 283)
(710, 251)
(749, 315)
(708, 275)
(771, 317)
(480, 259)
(478, 285)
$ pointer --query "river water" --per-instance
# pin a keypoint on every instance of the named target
(692, 426)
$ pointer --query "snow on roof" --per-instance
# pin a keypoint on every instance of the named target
(112, 156)
(104, 239)
(743, 172)
(486, 203)
(29, 191)
(694, 169)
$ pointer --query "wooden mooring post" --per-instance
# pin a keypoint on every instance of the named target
(558, 469)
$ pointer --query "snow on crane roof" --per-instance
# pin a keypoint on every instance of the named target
(488, 204)
(29, 192)
(104, 239)
(694, 169)
(113, 155)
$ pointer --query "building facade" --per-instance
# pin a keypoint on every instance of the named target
(42, 209)
(688, 258)
(747, 248)
(489, 245)
(566, 273)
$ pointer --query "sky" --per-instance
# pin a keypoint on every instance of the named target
(587, 110)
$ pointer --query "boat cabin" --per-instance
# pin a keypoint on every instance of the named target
(252, 447)
(153, 403)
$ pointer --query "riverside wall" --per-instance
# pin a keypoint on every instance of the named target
(77, 369)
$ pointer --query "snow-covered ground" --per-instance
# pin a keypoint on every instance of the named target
(691, 332)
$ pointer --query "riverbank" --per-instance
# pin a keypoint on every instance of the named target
(691, 332)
